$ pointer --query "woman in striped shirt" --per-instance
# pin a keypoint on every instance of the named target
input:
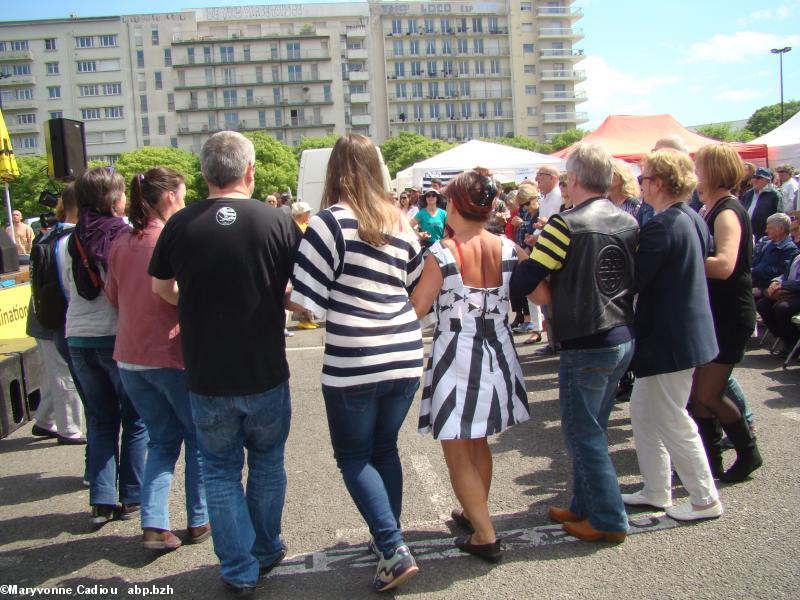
(356, 264)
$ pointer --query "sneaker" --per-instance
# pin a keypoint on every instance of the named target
(101, 514)
(287, 333)
(639, 499)
(394, 570)
(373, 548)
(687, 512)
(307, 325)
(524, 328)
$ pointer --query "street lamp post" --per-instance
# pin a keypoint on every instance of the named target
(780, 52)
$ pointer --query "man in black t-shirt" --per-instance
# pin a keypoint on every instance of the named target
(225, 262)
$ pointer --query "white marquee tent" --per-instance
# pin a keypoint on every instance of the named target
(505, 162)
(783, 143)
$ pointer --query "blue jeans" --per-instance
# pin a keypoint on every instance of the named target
(364, 421)
(587, 384)
(108, 408)
(246, 528)
(161, 397)
(736, 394)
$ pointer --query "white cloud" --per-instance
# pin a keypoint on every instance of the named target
(739, 47)
(740, 95)
(611, 91)
(781, 12)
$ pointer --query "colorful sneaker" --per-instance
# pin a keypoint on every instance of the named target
(373, 548)
(394, 570)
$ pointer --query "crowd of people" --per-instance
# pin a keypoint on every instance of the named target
(173, 335)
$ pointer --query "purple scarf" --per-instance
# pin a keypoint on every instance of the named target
(96, 233)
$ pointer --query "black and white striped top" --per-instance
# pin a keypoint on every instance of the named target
(372, 332)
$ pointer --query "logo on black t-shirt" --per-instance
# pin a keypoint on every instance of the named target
(226, 216)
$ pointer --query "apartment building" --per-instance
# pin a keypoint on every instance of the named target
(448, 70)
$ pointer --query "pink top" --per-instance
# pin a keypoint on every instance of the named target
(147, 329)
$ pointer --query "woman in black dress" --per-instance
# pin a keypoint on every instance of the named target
(719, 170)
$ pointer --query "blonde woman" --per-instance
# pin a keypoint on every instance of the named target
(624, 190)
(356, 263)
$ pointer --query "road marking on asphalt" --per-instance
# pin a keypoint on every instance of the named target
(436, 490)
(358, 556)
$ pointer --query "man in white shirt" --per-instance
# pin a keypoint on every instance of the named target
(550, 204)
(789, 187)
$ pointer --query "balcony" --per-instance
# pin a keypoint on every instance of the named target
(16, 55)
(563, 75)
(190, 38)
(565, 117)
(561, 54)
(358, 75)
(357, 54)
(259, 102)
(19, 105)
(564, 96)
(559, 12)
(478, 95)
(356, 32)
(17, 80)
(253, 125)
(22, 128)
(571, 33)
(360, 120)
(239, 81)
(257, 58)
(423, 54)
(360, 98)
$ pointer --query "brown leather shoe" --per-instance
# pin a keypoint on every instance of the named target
(199, 534)
(583, 531)
(154, 539)
(562, 515)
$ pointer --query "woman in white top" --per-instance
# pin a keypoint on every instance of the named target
(356, 263)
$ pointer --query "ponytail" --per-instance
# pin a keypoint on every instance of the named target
(147, 189)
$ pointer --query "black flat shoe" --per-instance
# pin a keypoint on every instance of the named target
(489, 552)
(42, 432)
(460, 519)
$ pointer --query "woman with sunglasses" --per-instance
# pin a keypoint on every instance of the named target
(430, 219)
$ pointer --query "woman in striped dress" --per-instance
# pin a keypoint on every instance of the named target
(356, 263)
(474, 385)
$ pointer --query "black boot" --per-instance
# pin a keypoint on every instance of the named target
(748, 458)
(711, 434)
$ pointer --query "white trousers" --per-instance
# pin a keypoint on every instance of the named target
(536, 316)
(60, 407)
(663, 430)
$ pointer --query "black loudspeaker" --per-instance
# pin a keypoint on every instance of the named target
(9, 259)
(66, 148)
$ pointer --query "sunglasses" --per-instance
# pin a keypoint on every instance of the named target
(641, 178)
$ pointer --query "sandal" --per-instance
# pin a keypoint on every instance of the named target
(492, 553)
(535, 338)
(459, 518)
(155, 539)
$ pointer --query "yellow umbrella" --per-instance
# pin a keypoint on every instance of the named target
(8, 165)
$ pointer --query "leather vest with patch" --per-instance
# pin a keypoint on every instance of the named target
(593, 292)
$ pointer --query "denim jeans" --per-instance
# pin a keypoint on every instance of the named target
(108, 408)
(246, 528)
(736, 394)
(364, 421)
(587, 385)
(161, 398)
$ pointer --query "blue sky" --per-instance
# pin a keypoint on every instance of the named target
(700, 60)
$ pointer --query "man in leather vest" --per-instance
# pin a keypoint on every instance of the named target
(587, 252)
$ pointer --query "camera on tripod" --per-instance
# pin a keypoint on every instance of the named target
(48, 219)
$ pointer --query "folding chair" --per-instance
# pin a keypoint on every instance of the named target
(796, 321)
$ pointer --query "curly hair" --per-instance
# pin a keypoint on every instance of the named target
(472, 193)
(674, 168)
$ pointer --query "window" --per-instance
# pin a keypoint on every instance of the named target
(494, 66)
(527, 27)
(450, 89)
(108, 40)
(431, 47)
(531, 111)
(84, 41)
(416, 68)
(50, 44)
(433, 111)
(189, 55)
(113, 112)
(466, 110)
(498, 109)
(56, 114)
(168, 57)
(397, 26)
(173, 141)
(527, 48)
(397, 47)
(477, 24)
(52, 68)
(89, 90)
(229, 76)
(494, 27)
(293, 50)
(447, 47)
(433, 89)
(462, 46)
(140, 59)
(413, 47)
(499, 130)
(143, 103)
(450, 110)
(399, 69)
(231, 119)
(13, 70)
(482, 111)
(463, 67)
(229, 98)
(207, 54)
(26, 119)
(526, 6)
(412, 26)
(54, 92)
(162, 125)
(428, 25)
(477, 46)
(431, 67)
(87, 66)
(141, 83)
(26, 142)
(90, 114)
(171, 102)
(326, 93)
(26, 94)
(158, 83)
(246, 52)
(479, 70)
(463, 88)
(137, 37)
(416, 89)
(529, 69)
(154, 36)
(112, 89)
(145, 126)
(533, 131)
(226, 54)
(445, 26)
(400, 90)
(530, 90)
(109, 64)
(18, 45)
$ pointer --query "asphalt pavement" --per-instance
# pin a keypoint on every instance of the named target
(46, 541)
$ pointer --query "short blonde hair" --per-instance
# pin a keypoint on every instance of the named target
(722, 165)
(630, 187)
(674, 169)
(527, 192)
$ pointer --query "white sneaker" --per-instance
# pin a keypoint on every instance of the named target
(639, 499)
(287, 333)
(686, 512)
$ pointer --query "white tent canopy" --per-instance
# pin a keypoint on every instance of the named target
(505, 163)
(783, 143)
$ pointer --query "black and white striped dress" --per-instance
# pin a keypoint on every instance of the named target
(372, 333)
(473, 384)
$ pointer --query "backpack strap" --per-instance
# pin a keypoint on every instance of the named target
(94, 277)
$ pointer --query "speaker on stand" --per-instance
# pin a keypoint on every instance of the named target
(65, 140)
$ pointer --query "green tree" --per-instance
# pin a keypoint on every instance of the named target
(276, 165)
(182, 161)
(404, 150)
(31, 182)
(567, 138)
(313, 143)
(724, 133)
(767, 118)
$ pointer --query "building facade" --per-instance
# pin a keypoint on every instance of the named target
(447, 70)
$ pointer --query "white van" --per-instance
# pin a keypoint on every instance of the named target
(311, 179)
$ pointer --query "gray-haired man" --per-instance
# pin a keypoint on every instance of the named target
(228, 259)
